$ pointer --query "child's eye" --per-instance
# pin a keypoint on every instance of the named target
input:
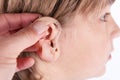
(104, 17)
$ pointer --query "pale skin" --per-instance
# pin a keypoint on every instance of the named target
(15, 36)
(84, 47)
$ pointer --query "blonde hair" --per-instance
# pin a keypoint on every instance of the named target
(54, 8)
(59, 9)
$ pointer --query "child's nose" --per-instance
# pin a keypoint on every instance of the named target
(116, 33)
(116, 30)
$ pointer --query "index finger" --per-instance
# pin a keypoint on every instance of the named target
(15, 21)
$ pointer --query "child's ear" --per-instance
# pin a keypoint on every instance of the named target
(48, 45)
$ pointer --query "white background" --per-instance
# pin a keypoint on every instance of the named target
(113, 66)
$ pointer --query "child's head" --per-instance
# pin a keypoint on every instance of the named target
(54, 8)
(84, 45)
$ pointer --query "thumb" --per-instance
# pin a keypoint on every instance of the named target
(24, 38)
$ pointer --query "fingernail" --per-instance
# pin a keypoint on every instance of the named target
(39, 27)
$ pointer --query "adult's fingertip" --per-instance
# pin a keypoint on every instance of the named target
(24, 63)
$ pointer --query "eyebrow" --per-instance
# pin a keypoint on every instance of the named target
(110, 2)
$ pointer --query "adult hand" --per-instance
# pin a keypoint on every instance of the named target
(16, 34)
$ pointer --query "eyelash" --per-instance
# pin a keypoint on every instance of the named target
(103, 18)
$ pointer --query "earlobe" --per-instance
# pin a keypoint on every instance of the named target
(49, 45)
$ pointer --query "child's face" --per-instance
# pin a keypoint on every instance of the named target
(86, 44)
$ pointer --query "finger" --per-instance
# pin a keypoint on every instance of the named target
(15, 21)
(23, 39)
(33, 48)
(24, 63)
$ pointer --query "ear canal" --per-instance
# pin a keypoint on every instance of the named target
(54, 47)
(49, 52)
